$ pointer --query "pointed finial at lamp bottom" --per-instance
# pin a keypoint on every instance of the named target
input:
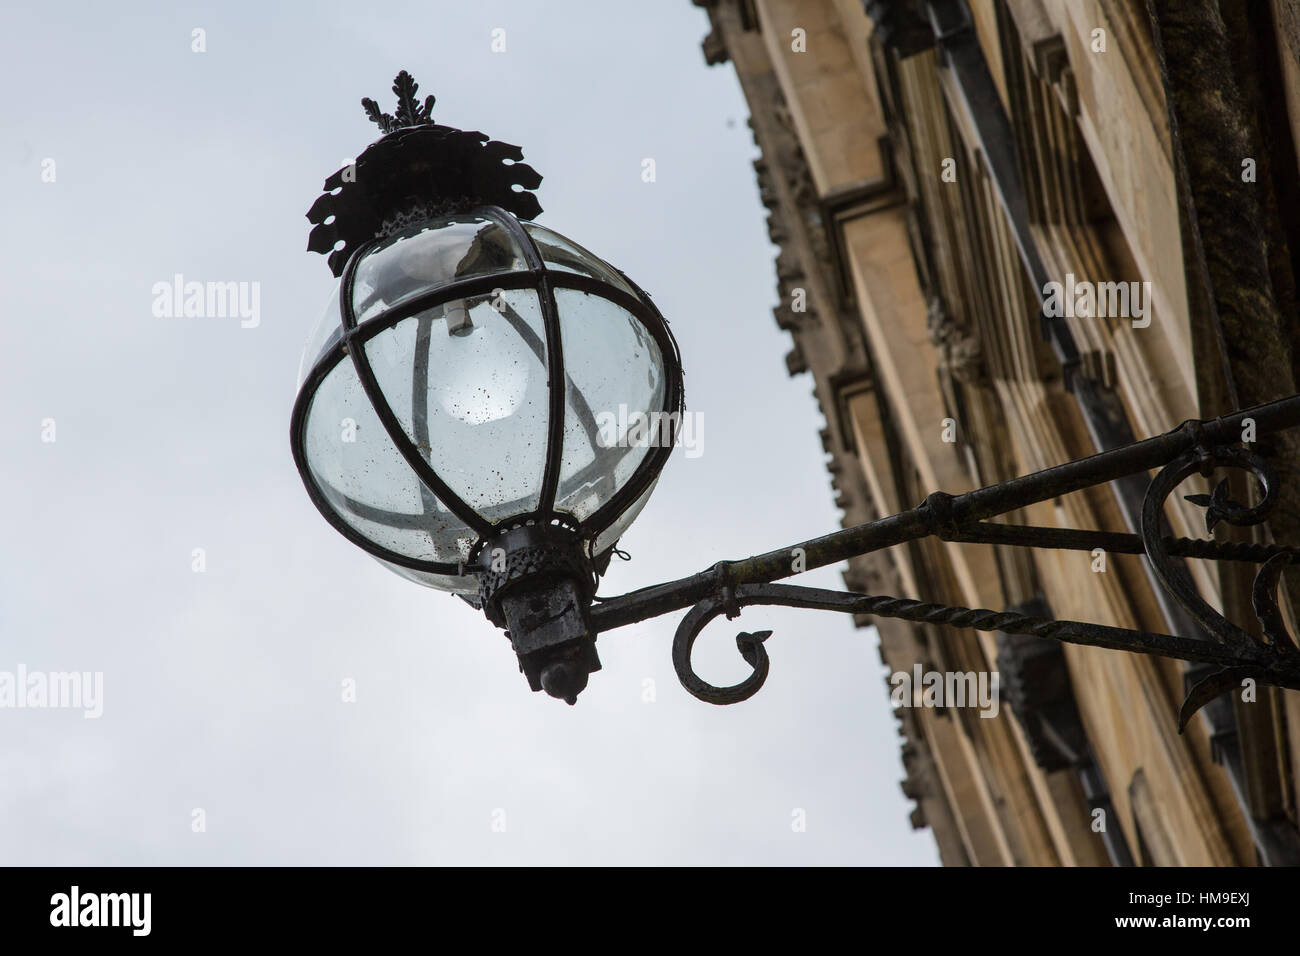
(564, 680)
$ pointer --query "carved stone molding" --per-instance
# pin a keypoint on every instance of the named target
(960, 353)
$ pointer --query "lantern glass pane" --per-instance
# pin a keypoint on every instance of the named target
(366, 480)
(614, 400)
(609, 537)
(467, 380)
(565, 255)
(457, 583)
(430, 255)
(328, 331)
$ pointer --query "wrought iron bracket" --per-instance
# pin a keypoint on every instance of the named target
(1195, 447)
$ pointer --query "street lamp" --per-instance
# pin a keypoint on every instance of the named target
(460, 401)
(463, 415)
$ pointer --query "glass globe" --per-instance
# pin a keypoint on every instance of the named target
(474, 373)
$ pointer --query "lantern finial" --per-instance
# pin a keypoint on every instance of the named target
(408, 113)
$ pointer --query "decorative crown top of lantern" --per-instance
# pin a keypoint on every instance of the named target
(416, 170)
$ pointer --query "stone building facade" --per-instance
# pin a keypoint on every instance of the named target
(929, 167)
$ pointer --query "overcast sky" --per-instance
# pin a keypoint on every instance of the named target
(222, 689)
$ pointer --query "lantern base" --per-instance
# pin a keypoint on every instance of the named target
(537, 583)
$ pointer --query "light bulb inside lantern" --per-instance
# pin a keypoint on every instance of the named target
(486, 367)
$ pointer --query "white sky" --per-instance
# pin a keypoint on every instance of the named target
(222, 689)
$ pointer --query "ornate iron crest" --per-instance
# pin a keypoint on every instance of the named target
(415, 171)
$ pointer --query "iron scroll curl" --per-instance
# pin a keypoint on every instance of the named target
(1272, 657)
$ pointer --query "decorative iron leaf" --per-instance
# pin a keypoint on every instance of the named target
(1220, 682)
(405, 87)
(409, 112)
(1263, 597)
(383, 120)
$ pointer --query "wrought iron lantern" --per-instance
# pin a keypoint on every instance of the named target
(460, 400)
(454, 420)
